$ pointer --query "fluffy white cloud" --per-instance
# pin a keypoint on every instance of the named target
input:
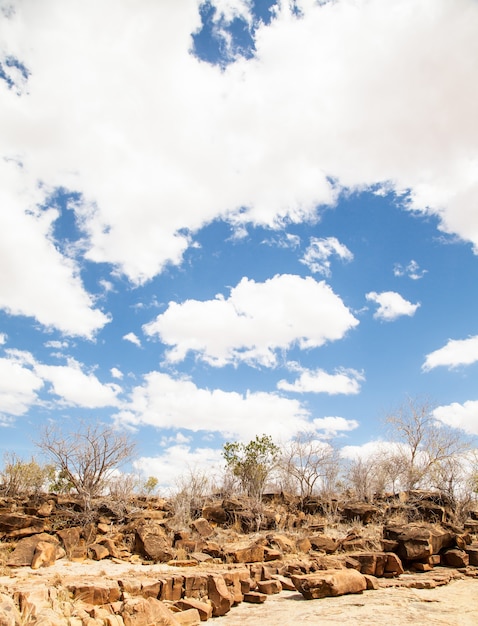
(391, 305)
(116, 373)
(333, 425)
(317, 256)
(256, 320)
(18, 387)
(456, 415)
(346, 381)
(36, 279)
(369, 450)
(165, 402)
(77, 388)
(456, 352)
(175, 464)
(338, 94)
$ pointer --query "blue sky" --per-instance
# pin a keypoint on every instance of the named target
(231, 218)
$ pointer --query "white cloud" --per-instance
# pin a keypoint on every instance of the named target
(116, 373)
(254, 322)
(391, 305)
(456, 415)
(346, 381)
(132, 338)
(369, 450)
(177, 462)
(18, 387)
(36, 280)
(326, 97)
(412, 270)
(165, 402)
(317, 256)
(455, 353)
(333, 425)
(3, 339)
(77, 388)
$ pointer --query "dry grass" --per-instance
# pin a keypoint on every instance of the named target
(5, 551)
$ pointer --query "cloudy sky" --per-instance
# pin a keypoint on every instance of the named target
(226, 218)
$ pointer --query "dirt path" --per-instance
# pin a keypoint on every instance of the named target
(455, 604)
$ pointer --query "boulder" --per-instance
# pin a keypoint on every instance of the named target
(456, 558)
(45, 554)
(219, 595)
(330, 583)
(245, 552)
(269, 587)
(188, 617)
(323, 543)
(203, 527)
(152, 542)
(20, 525)
(147, 612)
(24, 551)
(416, 542)
(203, 608)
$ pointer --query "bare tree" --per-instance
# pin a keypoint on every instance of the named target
(86, 457)
(423, 443)
(312, 464)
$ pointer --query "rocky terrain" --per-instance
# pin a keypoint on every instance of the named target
(139, 563)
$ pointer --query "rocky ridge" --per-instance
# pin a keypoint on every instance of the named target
(163, 572)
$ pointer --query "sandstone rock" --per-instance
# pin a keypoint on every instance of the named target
(189, 617)
(95, 591)
(255, 597)
(365, 512)
(33, 599)
(473, 555)
(286, 583)
(269, 587)
(195, 586)
(233, 580)
(45, 509)
(456, 558)
(152, 542)
(417, 542)
(25, 549)
(204, 608)
(98, 551)
(284, 543)
(70, 538)
(330, 583)
(19, 525)
(219, 595)
(378, 563)
(49, 617)
(203, 527)
(245, 552)
(323, 543)
(215, 513)
(147, 612)
(45, 555)
(9, 613)
(172, 588)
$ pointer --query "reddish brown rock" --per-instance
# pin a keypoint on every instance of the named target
(25, 549)
(203, 608)
(330, 583)
(255, 597)
(152, 543)
(269, 587)
(219, 595)
(456, 558)
(245, 552)
(95, 592)
(147, 612)
(203, 527)
(45, 554)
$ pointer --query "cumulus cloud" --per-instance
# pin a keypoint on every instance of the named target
(324, 98)
(116, 373)
(332, 426)
(391, 305)
(18, 387)
(458, 415)
(177, 462)
(78, 388)
(254, 322)
(36, 279)
(166, 402)
(455, 353)
(318, 254)
(343, 381)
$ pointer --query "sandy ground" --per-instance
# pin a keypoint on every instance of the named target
(455, 604)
